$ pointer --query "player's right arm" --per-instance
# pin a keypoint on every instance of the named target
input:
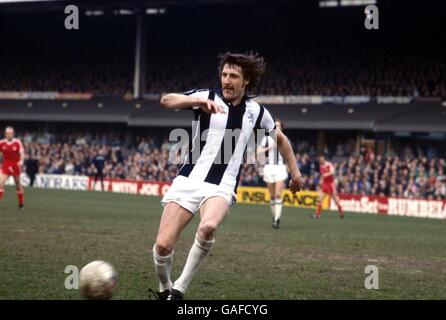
(181, 101)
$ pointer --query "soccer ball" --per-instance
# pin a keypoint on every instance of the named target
(98, 280)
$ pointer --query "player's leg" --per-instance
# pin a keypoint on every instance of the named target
(213, 211)
(272, 198)
(335, 198)
(3, 179)
(173, 221)
(101, 177)
(95, 180)
(320, 200)
(278, 202)
(20, 191)
(32, 179)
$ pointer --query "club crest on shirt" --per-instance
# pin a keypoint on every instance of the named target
(251, 116)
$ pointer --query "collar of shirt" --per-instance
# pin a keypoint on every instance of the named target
(241, 105)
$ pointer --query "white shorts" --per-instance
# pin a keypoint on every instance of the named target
(191, 194)
(274, 173)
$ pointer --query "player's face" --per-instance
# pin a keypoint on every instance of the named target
(321, 160)
(279, 125)
(233, 83)
(9, 134)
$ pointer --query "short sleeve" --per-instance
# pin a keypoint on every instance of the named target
(267, 122)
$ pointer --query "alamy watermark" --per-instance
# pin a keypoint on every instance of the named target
(230, 145)
(72, 20)
(371, 17)
(372, 280)
(72, 280)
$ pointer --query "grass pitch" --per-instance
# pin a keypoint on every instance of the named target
(305, 259)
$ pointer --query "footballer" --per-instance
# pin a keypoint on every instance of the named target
(327, 187)
(13, 155)
(206, 185)
(274, 173)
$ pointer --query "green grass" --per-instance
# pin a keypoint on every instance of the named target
(305, 259)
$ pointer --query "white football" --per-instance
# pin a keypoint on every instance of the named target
(98, 280)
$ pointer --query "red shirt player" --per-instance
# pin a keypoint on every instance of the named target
(13, 155)
(328, 186)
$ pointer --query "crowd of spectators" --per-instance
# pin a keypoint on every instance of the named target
(353, 72)
(313, 72)
(307, 53)
(71, 70)
(411, 173)
(74, 154)
(383, 176)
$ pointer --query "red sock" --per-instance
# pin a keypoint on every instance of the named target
(318, 210)
(1, 193)
(340, 210)
(21, 197)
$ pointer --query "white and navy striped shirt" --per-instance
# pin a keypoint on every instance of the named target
(207, 154)
(272, 156)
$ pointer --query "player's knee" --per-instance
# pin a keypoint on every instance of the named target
(164, 246)
(206, 230)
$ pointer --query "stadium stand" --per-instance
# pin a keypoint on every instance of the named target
(96, 64)
(413, 172)
(99, 57)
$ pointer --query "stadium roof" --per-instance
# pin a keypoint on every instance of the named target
(33, 6)
(58, 5)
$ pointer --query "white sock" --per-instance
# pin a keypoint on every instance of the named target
(200, 250)
(273, 208)
(163, 267)
(279, 204)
